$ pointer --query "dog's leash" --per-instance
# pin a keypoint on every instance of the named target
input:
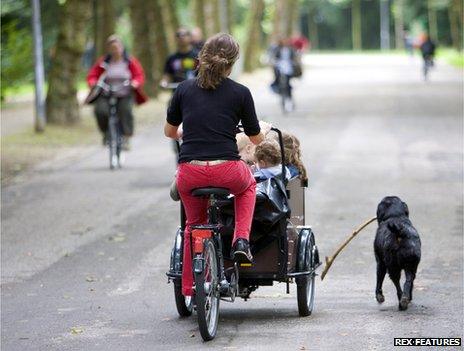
(329, 260)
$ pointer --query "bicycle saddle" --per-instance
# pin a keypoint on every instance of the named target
(210, 191)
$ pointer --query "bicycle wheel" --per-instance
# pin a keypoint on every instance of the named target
(207, 293)
(113, 143)
(184, 304)
(306, 285)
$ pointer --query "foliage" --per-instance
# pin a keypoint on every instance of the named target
(17, 67)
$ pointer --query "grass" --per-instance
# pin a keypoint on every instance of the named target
(451, 56)
(22, 151)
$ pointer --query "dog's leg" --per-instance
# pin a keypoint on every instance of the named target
(381, 271)
(395, 277)
(407, 291)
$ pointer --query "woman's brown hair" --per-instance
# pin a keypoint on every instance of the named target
(215, 58)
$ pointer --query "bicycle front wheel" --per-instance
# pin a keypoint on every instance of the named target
(113, 143)
(207, 295)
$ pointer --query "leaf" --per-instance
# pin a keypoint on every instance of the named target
(120, 237)
(90, 279)
(76, 330)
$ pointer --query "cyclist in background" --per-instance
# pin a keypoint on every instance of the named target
(116, 68)
(283, 59)
(427, 49)
(183, 63)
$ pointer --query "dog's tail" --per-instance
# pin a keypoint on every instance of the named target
(397, 226)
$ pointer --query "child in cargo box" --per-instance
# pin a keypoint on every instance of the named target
(268, 161)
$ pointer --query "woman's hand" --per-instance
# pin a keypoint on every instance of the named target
(135, 84)
(265, 127)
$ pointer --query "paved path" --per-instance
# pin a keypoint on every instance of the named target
(84, 250)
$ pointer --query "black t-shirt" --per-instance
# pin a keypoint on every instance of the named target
(210, 119)
(181, 66)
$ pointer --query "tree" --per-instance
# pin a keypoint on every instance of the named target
(171, 21)
(455, 14)
(212, 17)
(291, 17)
(356, 24)
(199, 15)
(143, 43)
(104, 24)
(398, 15)
(61, 104)
(254, 32)
(312, 26)
(278, 20)
(159, 40)
(432, 21)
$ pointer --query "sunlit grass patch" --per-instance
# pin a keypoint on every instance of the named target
(452, 56)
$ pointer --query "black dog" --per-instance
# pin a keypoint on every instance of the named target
(397, 247)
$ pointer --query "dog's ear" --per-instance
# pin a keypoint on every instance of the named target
(406, 208)
(380, 211)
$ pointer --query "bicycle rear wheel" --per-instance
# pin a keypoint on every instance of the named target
(184, 304)
(207, 295)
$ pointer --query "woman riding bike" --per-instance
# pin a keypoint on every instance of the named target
(116, 68)
(283, 59)
(210, 107)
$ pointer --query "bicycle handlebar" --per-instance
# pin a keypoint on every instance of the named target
(113, 88)
(169, 86)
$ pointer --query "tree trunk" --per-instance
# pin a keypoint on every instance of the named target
(105, 24)
(432, 14)
(356, 24)
(143, 43)
(253, 46)
(212, 16)
(199, 11)
(171, 22)
(292, 17)
(312, 27)
(230, 15)
(62, 105)
(278, 20)
(399, 23)
(455, 18)
(161, 51)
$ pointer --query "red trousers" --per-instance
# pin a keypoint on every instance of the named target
(233, 175)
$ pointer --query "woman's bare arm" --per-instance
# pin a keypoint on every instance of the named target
(173, 132)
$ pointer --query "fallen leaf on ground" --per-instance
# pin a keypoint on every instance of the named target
(90, 279)
(117, 238)
(76, 330)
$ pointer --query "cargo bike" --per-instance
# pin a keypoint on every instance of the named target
(283, 247)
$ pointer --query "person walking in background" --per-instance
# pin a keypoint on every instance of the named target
(115, 68)
(408, 43)
(197, 39)
(182, 64)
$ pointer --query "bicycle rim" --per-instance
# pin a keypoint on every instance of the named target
(207, 294)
